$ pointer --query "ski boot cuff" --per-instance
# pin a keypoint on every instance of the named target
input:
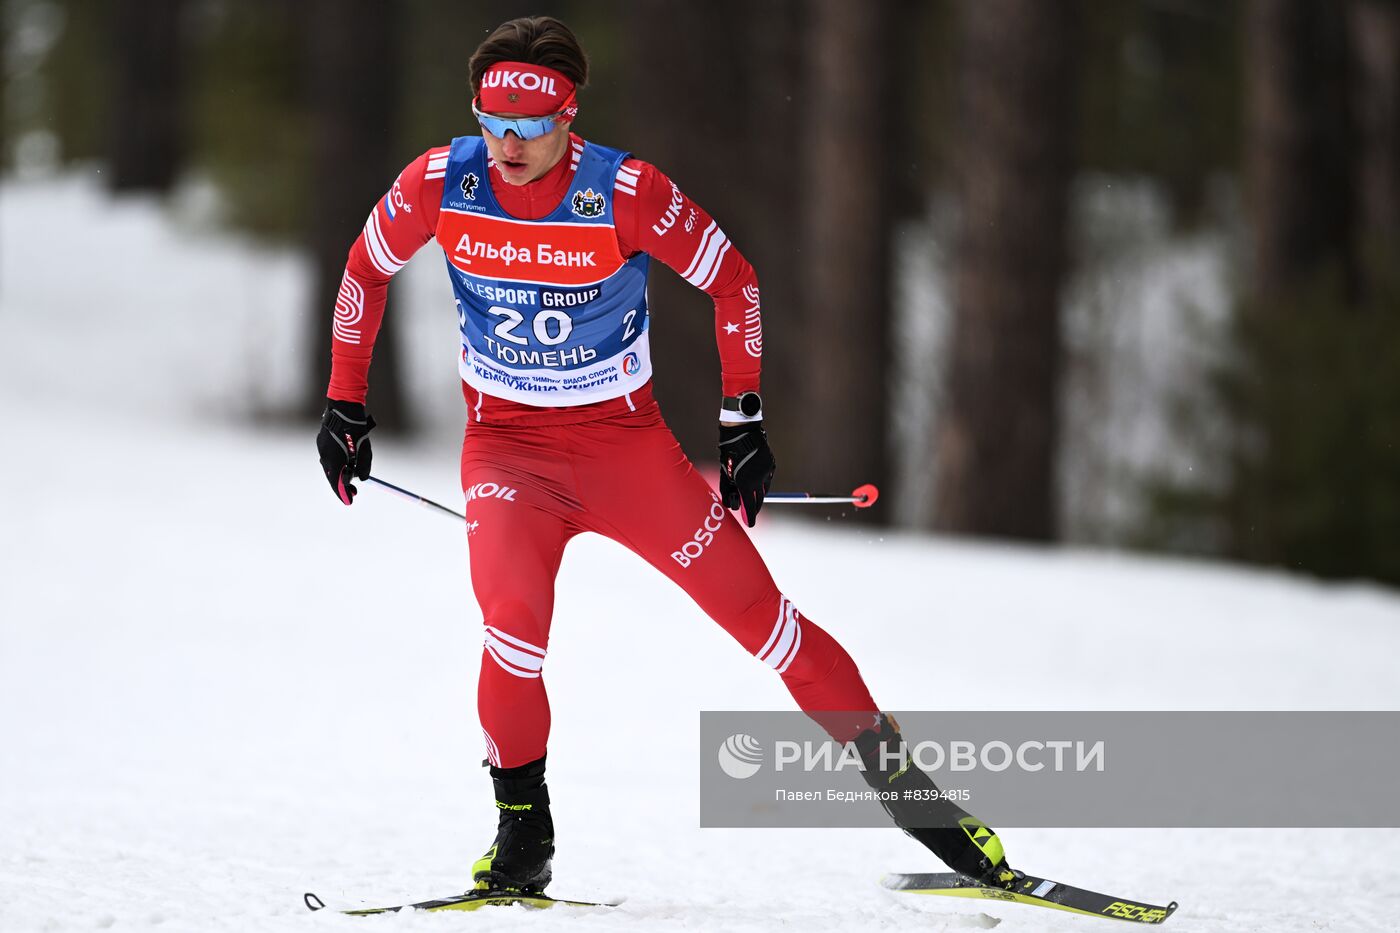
(882, 750)
(530, 771)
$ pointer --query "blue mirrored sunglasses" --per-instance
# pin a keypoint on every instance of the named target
(524, 127)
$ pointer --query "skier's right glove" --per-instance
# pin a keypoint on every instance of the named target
(344, 446)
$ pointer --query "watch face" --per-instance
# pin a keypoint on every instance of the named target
(750, 404)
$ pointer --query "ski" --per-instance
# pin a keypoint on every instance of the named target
(1029, 889)
(472, 900)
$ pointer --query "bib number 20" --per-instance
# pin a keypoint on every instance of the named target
(545, 320)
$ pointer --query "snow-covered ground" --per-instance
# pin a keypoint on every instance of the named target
(219, 688)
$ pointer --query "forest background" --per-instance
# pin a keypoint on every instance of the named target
(1118, 274)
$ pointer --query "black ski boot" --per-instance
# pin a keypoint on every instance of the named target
(963, 842)
(520, 857)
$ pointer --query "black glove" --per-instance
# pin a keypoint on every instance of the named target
(746, 467)
(343, 446)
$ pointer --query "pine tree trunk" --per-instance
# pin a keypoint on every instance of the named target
(1302, 202)
(771, 105)
(846, 190)
(999, 429)
(1375, 40)
(145, 133)
(4, 137)
(354, 60)
(683, 114)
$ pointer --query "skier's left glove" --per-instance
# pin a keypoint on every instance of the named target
(344, 446)
(746, 468)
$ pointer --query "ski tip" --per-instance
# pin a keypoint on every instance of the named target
(312, 901)
(865, 496)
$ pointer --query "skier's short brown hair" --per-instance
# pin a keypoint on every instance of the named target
(535, 40)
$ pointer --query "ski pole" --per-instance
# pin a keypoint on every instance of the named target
(863, 497)
(414, 497)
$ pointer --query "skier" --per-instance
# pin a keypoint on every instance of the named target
(547, 239)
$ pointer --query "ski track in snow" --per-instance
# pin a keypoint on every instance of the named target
(219, 688)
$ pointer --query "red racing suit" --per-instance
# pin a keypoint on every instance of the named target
(533, 476)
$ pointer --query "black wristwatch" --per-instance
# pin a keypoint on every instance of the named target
(747, 404)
